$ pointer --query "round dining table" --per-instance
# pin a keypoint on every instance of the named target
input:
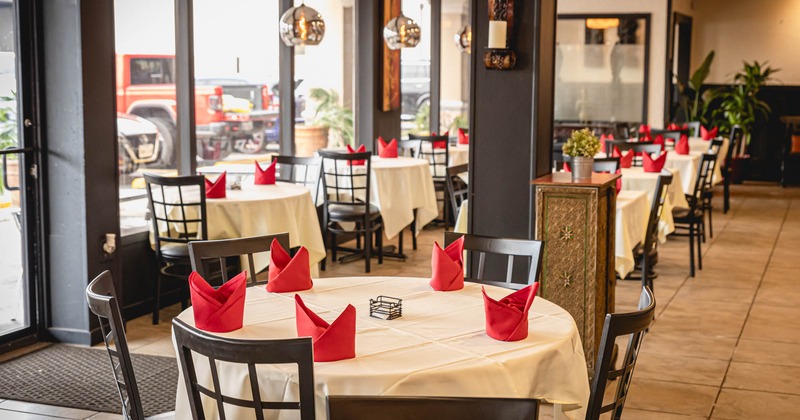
(459, 154)
(687, 165)
(636, 179)
(632, 213)
(438, 347)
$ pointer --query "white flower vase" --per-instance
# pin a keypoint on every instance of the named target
(582, 168)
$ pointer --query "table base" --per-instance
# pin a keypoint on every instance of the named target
(389, 251)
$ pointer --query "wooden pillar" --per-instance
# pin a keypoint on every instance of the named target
(184, 87)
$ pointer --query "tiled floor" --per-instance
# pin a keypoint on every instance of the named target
(725, 344)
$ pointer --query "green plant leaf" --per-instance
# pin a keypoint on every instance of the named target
(699, 76)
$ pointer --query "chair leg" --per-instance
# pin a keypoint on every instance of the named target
(413, 231)
(367, 248)
(710, 222)
(157, 303)
(379, 234)
(691, 248)
(325, 243)
(333, 247)
(726, 192)
(400, 243)
(358, 239)
(699, 255)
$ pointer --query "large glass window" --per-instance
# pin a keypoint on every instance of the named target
(454, 108)
(601, 69)
(415, 72)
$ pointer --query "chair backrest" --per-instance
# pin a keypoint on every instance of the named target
(407, 148)
(299, 170)
(694, 128)
(201, 253)
(674, 135)
(656, 209)
(634, 325)
(438, 158)
(250, 352)
(637, 147)
(609, 165)
(705, 173)
(715, 145)
(343, 183)
(178, 208)
(734, 143)
(456, 187)
(101, 297)
(529, 249)
(430, 408)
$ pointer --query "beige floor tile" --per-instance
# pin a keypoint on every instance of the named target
(690, 346)
(685, 369)
(46, 410)
(634, 414)
(17, 415)
(759, 377)
(748, 405)
(161, 347)
(708, 318)
(671, 397)
(767, 352)
(716, 291)
(773, 323)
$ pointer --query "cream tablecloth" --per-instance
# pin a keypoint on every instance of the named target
(687, 165)
(699, 146)
(439, 347)
(633, 209)
(636, 179)
(458, 154)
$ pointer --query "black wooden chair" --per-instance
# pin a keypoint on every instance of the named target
(102, 301)
(648, 252)
(407, 148)
(457, 188)
(178, 210)
(347, 199)
(634, 325)
(692, 219)
(708, 188)
(203, 253)
(638, 148)
(430, 408)
(439, 160)
(528, 249)
(299, 170)
(296, 351)
(694, 128)
(736, 136)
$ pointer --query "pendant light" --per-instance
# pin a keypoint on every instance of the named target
(401, 32)
(302, 25)
(464, 40)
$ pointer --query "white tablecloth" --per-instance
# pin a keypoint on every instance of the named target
(633, 209)
(400, 186)
(699, 146)
(636, 179)
(439, 347)
(687, 165)
(461, 219)
(459, 154)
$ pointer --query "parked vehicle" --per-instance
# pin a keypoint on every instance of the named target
(230, 114)
(415, 83)
(139, 141)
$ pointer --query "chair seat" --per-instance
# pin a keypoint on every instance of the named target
(685, 215)
(345, 212)
(175, 251)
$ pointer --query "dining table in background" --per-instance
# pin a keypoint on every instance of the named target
(687, 165)
(636, 179)
(699, 146)
(633, 211)
(438, 347)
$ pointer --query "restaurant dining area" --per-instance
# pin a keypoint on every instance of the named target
(399, 209)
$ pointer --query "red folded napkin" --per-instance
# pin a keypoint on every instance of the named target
(361, 149)
(673, 127)
(624, 161)
(682, 146)
(265, 176)
(287, 274)
(440, 144)
(447, 266)
(216, 189)
(708, 134)
(566, 167)
(387, 150)
(335, 341)
(463, 138)
(653, 165)
(659, 140)
(603, 143)
(507, 319)
(220, 310)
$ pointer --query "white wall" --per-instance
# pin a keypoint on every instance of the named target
(749, 30)
(658, 35)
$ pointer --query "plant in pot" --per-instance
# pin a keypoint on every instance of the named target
(581, 146)
(8, 139)
(741, 106)
(693, 99)
(330, 125)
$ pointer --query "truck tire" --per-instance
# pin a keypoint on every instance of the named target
(167, 129)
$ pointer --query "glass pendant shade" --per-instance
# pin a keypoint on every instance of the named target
(401, 32)
(302, 25)
(464, 40)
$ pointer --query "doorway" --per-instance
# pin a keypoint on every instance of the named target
(678, 65)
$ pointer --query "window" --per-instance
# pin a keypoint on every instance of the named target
(152, 71)
(415, 73)
(454, 103)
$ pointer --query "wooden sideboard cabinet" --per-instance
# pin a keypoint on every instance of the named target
(576, 222)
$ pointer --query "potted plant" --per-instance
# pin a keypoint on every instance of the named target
(581, 146)
(330, 125)
(740, 106)
(693, 99)
(8, 139)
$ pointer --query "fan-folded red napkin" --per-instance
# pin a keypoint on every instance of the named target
(682, 146)
(565, 167)
(387, 150)
(220, 310)
(624, 161)
(448, 266)
(673, 127)
(335, 341)
(265, 176)
(708, 134)
(659, 140)
(507, 319)
(361, 149)
(287, 274)
(463, 138)
(653, 165)
(440, 144)
(216, 189)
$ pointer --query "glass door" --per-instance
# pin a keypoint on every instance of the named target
(19, 215)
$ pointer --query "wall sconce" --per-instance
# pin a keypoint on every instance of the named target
(302, 25)
(499, 55)
(464, 40)
(401, 32)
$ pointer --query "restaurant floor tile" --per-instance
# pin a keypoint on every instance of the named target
(724, 344)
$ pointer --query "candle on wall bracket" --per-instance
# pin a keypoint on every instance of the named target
(499, 55)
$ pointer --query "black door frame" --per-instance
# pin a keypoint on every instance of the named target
(685, 26)
(27, 16)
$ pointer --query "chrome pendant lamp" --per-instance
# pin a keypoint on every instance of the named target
(401, 32)
(464, 40)
(302, 25)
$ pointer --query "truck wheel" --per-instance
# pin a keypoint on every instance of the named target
(167, 129)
